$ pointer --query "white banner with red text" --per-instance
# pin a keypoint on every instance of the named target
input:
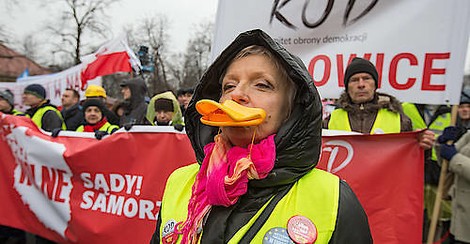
(112, 57)
(418, 46)
(77, 189)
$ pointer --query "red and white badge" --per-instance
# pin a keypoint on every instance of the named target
(301, 229)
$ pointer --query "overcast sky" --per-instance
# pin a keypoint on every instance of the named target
(27, 16)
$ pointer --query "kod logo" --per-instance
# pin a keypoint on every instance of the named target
(339, 154)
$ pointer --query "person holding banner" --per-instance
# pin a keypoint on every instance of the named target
(95, 121)
(164, 109)
(134, 92)
(458, 155)
(98, 92)
(257, 150)
(362, 109)
(45, 115)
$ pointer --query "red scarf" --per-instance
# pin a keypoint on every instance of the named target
(95, 127)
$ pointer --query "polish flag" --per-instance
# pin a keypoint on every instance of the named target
(114, 56)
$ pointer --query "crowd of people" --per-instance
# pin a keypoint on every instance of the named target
(92, 114)
(251, 179)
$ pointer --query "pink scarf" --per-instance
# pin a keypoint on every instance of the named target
(223, 178)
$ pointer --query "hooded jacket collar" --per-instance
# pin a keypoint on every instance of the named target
(298, 141)
(138, 90)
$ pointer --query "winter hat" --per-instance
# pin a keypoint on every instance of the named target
(8, 96)
(465, 96)
(164, 104)
(36, 90)
(183, 91)
(360, 65)
(93, 102)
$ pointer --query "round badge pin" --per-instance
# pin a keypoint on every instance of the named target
(301, 229)
(277, 235)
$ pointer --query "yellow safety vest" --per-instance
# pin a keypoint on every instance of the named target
(437, 126)
(37, 117)
(385, 122)
(106, 127)
(320, 206)
(17, 113)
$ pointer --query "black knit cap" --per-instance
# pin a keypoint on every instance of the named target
(360, 65)
(164, 104)
(36, 90)
(93, 102)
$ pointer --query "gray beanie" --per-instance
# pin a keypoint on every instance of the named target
(8, 96)
(36, 90)
(360, 65)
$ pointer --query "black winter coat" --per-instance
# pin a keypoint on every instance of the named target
(135, 107)
(73, 117)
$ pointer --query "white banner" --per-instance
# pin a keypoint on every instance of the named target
(55, 84)
(418, 46)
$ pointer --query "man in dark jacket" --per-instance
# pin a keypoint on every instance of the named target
(134, 92)
(45, 115)
(363, 104)
(297, 145)
(71, 110)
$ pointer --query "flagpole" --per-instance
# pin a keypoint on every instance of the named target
(440, 186)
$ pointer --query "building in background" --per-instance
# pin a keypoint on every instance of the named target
(13, 65)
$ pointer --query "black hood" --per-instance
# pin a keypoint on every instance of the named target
(298, 141)
(138, 91)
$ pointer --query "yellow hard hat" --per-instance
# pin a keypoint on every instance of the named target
(95, 91)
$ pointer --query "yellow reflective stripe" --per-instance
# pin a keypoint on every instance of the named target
(386, 121)
(37, 117)
(106, 127)
(410, 110)
(339, 120)
(320, 206)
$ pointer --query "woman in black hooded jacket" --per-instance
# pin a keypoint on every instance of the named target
(297, 145)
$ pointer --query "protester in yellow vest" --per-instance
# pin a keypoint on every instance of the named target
(257, 183)
(435, 118)
(95, 121)
(45, 115)
(7, 103)
(362, 109)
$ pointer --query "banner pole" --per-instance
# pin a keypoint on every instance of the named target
(440, 186)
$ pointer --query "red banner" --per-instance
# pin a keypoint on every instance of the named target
(76, 189)
(82, 190)
(387, 174)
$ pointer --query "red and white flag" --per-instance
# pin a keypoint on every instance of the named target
(114, 56)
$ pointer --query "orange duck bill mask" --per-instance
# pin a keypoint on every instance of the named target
(229, 113)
